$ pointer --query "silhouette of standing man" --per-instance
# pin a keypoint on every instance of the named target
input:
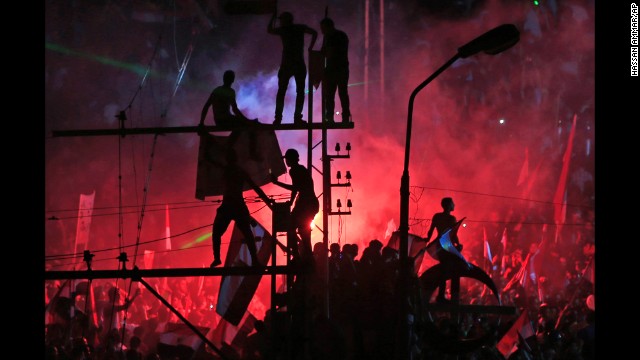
(335, 49)
(292, 62)
(306, 204)
(222, 102)
(442, 222)
(234, 208)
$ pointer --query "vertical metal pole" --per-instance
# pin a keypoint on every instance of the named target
(366, 57)
(405, 264)
(326, 208)
(382, 84)
(273, 283)
(309, 116)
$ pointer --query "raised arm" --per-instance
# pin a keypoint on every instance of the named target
(283, 185)
(270, 28)
(294, 191)
(314, 36)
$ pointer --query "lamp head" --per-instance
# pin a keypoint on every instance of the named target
(492, 42)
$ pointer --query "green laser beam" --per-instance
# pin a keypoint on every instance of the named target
(198, 240)
(135, 68)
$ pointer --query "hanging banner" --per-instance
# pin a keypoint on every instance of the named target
(211, 159)
(85, 210)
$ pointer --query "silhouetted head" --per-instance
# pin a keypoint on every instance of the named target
(334, 248)
(291, 157)
(326, 25)
(134, 342)
(447, 204)
(389, 253)
(231, 157)
(286, 18)
(228, 77)
(376, 245)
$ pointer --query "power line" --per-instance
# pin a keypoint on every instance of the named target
(283, 195)
(500, 196)
(73, 255)
(420, 220)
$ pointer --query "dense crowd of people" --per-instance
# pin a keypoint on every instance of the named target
(363, 307)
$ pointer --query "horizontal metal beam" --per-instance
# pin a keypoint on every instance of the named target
(179, 272)
(479, 309)
(340, 213)
(194, 129)
(338, 156)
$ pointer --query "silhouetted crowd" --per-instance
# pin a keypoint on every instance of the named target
(362, 308)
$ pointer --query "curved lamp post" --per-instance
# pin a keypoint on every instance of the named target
(492, 42)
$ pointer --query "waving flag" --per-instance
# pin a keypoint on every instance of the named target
(236, 291)
(175, 334)
(443, 243)
(415, 247)
(522, 328)
(227, 336)
(504, 241)
(520, 277)
(560, 197)
(488, 257)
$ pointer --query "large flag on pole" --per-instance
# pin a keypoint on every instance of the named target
(236, 291)
(85, 210)
(211, 155)
(560, 197)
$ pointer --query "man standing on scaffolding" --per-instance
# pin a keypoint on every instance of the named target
(292, 62)
(305, 208)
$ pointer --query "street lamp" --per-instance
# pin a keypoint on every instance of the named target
(492, 42)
